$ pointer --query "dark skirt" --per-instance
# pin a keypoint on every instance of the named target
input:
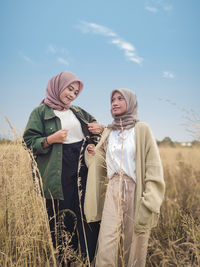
(69, 209)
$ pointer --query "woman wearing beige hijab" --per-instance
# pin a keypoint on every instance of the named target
(125, 185)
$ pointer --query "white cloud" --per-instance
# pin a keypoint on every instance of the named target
(168, 7)
(123, 44)
(55, 50)
(59, 53)
(132, 57)
(128, 50)
(86, 27)
(51, 49)
(62, 61)
(116, 40)
(168, 75)
(26, 58)
(151, 9)
(155, 6)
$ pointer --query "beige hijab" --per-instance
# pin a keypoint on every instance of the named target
(128, 119)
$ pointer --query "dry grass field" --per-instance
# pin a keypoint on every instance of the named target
(24, 232)
(176, 240)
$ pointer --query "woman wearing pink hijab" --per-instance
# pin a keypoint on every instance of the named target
(58, 132)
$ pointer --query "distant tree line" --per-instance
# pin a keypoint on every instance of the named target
(168, 142)
(165, 142)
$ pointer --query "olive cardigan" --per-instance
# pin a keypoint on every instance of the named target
(150, 185)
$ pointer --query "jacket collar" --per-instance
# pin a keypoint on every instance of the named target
(48, 112)
(76, 110)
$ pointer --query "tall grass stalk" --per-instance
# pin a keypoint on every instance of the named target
(25, 238)
(79, 184)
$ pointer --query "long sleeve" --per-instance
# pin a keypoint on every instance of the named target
(149, 178)
(154, 181)
(96, 181)
(34, 135)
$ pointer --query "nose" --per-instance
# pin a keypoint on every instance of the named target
(114, 103)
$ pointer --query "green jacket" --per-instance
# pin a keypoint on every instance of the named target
(42, 123)
(150, 185)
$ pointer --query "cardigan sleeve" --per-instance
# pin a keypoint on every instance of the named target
(34, 135)
(96, 182)
(154, 187)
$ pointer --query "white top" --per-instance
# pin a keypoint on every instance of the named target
(70, 122)
(116, 158)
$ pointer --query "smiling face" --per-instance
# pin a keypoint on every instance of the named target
(70, 93)
(118, 104)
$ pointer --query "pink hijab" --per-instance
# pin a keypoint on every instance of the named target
(128, 119)
(56, 86)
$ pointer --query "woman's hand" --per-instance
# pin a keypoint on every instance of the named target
(95, 127)
(90, 149)
(57, 137)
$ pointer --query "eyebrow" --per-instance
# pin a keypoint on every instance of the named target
(118, 96)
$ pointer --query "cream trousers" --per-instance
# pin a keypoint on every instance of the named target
(118, 244)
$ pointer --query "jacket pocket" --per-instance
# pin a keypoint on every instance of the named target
(50, 127)
(145, 217)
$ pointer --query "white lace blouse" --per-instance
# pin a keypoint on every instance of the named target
(120, 153)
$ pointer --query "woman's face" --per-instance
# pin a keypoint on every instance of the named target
(118, 104)
(69, 93)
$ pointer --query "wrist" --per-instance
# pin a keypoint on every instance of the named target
(47, 141)
(102, 127)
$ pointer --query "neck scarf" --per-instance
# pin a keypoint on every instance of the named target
(128, 119)
(56, 86)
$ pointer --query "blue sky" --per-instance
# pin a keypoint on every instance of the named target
(149, 46)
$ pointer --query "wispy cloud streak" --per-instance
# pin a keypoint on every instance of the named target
(151, 9)
(115, 39)
(26, 58)
(168, 75)
(86, 27)
(51, 49)
(59, 52)
(155, 6)
(62, 61)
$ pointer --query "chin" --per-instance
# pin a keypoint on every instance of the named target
(117, 113)
(67, 102)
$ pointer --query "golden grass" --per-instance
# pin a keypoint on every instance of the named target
(176, 240)
(24, 232)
